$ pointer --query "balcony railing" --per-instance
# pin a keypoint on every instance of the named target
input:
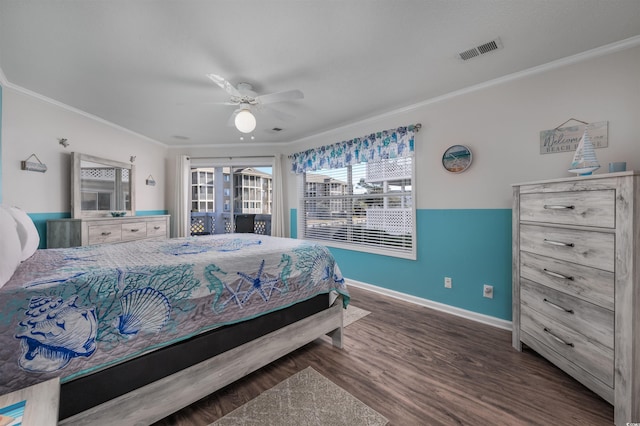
(204, 223)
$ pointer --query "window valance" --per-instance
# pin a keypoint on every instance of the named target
(387, 144)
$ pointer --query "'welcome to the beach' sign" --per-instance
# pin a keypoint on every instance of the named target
(566, 139)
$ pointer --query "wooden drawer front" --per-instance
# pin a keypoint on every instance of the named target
(588, 208)
(588, 248)
(582, 317)
(590, 284)
(578, 373)
(594, 359)
(134, 231)
(156, 228)
(100, 234)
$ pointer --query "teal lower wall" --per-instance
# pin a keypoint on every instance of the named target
(293, 217)
(151, 212)
(40, 220)
(472, 246)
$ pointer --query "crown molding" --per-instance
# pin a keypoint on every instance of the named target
(19, 89)
(559, 63)
(589, 54)
(3, 78)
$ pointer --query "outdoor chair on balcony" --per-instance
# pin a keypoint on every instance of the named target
(201, 223)
(245, 223)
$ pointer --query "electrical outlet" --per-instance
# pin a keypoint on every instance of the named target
(447, 282)
(487, 291)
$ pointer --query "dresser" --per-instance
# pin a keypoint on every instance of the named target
(576, 281)
(101, 230)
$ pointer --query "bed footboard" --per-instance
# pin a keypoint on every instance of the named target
(168, 395)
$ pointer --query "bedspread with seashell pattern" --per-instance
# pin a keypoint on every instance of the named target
(69, 312)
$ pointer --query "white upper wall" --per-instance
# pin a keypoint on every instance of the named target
(501, 124)
(33, 126)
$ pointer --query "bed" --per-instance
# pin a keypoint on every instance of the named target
(148, 327)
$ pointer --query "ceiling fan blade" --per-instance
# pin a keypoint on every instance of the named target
(229, 103)
(280, 115)
(287, 95)
(228, 87)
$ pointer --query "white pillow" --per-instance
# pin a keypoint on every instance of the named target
(29, 238)
(10, 248)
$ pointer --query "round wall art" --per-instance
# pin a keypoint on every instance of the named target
(456, 159)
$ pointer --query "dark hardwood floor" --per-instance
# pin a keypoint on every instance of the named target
(417, 366)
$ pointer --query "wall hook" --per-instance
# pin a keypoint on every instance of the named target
(132, 158)
(64, 142)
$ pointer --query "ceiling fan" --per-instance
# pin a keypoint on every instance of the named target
(246, 99)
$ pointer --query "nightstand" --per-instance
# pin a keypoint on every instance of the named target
(42, 400)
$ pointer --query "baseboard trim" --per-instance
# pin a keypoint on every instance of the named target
(474, 316)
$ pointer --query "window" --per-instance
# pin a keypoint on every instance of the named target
(202, 190)
(366, 207)
(97, 200)
(89, 200)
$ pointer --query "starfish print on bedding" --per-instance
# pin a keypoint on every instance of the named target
(80, 259)
(264, 286)
(52, 281)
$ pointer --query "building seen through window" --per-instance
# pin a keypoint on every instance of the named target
(366, 206)
(220, 194)
(252, 189)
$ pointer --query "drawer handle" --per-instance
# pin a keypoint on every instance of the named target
(106, 234)
(558, 207)
(558, 243)
(557, 275)
(558, 307)
(156, 227)
(135, 230)
(564, 342)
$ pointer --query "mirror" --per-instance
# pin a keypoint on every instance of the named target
(100, 186)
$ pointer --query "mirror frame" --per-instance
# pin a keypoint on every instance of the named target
(76, 200)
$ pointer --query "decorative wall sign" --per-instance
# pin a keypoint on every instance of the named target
(566, 139)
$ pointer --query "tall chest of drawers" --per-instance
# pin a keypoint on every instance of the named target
(576, 281)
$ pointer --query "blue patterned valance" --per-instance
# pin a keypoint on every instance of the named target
(392, 143)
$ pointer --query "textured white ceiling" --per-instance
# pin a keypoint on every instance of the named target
(142, 64)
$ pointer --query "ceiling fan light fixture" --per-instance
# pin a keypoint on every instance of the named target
(245, 121)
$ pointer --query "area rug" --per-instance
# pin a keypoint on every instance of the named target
(306, 398)
(353, 314)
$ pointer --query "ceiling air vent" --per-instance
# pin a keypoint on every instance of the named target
(481, 50)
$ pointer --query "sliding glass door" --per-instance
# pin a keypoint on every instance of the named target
(227, 197)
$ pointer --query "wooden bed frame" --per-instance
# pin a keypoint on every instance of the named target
(163, 397)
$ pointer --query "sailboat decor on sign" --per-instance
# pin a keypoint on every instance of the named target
(584, 160)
